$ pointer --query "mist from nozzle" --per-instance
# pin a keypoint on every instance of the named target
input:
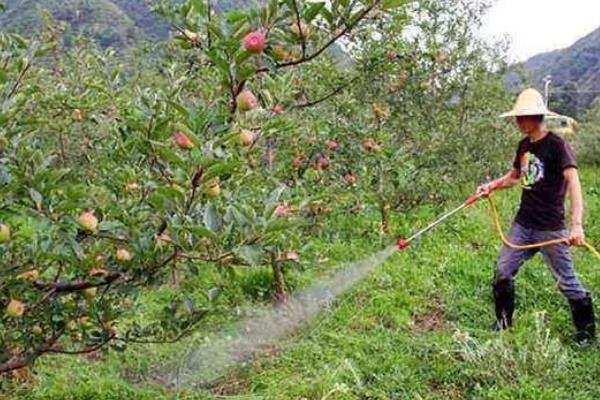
(263, 327)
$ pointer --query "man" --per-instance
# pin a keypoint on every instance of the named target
(546, 168)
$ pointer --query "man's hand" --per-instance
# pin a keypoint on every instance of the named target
(509, 180)
(577, 237)
(487, 188)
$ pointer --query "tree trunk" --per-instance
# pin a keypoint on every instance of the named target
(384, 209)
(278, 280)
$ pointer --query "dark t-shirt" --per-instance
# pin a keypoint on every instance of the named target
(541, 165)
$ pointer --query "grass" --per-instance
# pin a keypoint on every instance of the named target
(414, 329)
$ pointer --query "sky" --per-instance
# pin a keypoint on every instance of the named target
(536, 26)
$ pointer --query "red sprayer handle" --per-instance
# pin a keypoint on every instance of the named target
(474, 198)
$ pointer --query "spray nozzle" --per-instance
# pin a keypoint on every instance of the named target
(402, 244)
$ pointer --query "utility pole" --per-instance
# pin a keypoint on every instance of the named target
(547, 82)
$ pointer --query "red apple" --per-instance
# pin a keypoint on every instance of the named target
(123, 255)
(213, 188)
(297, 162)
(282, 211)
(31, 275)
(292, 256)
(350, 179)
(182, 141)
(296, 28)
(90, 293)
(77, 115)
(247, 137)
(15, 309)
(254, 42)
(332, 145)
(280, 53)
(88, 221)
(322, 163)
(246, 101)
(277, 109)
(4, 233)
(132, 187)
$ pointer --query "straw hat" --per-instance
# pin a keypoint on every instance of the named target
(529, 102)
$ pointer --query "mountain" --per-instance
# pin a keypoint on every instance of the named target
(575, 74)
(108, 22)
(116, 23)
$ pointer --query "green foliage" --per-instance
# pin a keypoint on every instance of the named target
(111, 199)
(587, 141)
(417, 327)
(120, 180)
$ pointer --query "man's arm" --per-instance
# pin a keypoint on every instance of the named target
(507, 181)
(574, 187)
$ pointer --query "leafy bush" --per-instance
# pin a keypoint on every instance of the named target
(587, 140)
(230, 152)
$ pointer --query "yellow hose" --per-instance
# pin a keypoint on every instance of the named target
(498, 226)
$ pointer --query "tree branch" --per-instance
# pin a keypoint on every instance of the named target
(176, 339)
(77, 285)
(58, 350)
(299, 24)
(330, 42)
(333, 93)
(19, 81)
(19, 361)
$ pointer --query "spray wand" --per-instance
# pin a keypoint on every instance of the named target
(403, 243)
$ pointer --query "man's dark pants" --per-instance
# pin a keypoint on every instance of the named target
(558, 258)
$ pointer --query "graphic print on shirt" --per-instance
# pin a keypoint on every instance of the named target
(532, 170)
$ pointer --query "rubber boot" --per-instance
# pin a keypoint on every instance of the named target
(583, 318)
(504, 297)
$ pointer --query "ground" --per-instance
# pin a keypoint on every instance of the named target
(416, 328)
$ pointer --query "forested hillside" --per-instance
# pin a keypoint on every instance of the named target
(575, 74)
(117, 23)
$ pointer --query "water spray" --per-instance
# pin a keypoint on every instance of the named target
(264, 327)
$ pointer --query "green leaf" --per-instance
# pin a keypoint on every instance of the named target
(188, 304)
(77, 250)
(119, 345)
(212, 220)
(180, 109)
(281, 224)
(327, 15)
(311, 12)
(235, 216)
(200, 6)
(213, 293)
(389, 4)
(200, 231)
(274, 196)
(219, 60)
(221, 169)
(245, 71)
(36, 197)
(251, 254)
(111, 226)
